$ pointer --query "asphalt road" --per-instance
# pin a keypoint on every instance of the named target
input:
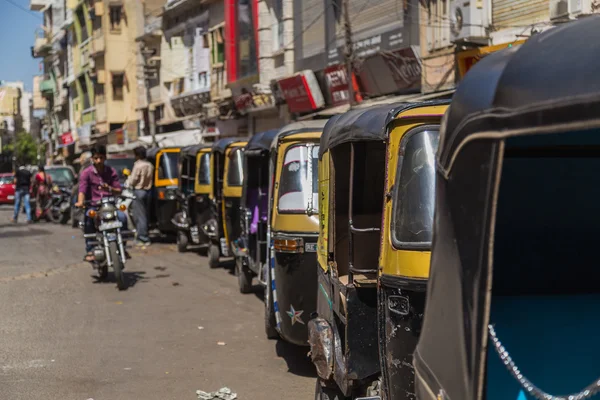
(180, 327)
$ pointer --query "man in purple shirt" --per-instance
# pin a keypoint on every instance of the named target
(97, 181)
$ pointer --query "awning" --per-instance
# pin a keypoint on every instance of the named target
(186, 137)
(120, 148)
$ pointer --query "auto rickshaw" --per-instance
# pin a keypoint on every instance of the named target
(250, 249)
(226, 193)
(375, 172)
(291, 290)
(164, 203)
(194, 189)
(514, 288)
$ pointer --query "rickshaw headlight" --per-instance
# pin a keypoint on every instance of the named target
(170, 195)
(291, 245)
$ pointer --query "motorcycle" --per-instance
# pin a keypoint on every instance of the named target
(108, 246)
(60, 205)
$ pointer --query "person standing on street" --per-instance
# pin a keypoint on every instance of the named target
(140, 181)
(22, 188)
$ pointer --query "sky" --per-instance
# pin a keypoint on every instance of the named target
(17, 29)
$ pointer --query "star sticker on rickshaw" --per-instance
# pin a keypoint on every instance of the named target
(295, 315)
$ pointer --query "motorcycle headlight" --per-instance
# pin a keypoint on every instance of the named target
(108, 215)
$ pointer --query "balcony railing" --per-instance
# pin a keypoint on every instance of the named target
(41, 44)
(98, 44)
(38, 5)
(48, 86)
(100, 112)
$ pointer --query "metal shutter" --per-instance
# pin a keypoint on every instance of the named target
(366, 16)
(516, 13)
(312, 27)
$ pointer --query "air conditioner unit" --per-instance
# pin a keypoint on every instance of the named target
(469, 21)
(579, 8)
(559, 10)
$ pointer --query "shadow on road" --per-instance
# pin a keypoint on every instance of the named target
(296, 358)
(18, 233)
(131, 277)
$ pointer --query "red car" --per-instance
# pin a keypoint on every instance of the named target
(7, 189)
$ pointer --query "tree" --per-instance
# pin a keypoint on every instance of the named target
(24, 148)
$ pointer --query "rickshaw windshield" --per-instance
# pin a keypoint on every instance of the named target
(299, 183)
(204, 169)
(61, 176)
(168, 166)
(414, 189)
(235, 172)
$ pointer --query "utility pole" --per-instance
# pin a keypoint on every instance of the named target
(349, 51)
(149, 72)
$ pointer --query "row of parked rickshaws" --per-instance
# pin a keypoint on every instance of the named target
(335, 219)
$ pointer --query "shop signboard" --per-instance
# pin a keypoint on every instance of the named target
(466, 59)
(336, 80)
(302, 92)
(391, 72)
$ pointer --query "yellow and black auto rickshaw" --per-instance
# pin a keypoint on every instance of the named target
(375, 172)
(164, 201)
(193, 194)
(227, 178)
(515, 286)
(250, 249)
(291, 290)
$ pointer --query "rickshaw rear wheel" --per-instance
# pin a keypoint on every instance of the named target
(270, 321)
(213, 256)
(244, 276)
(327, 393)
(182, 242)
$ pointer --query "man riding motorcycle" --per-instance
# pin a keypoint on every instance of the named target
(96, 181)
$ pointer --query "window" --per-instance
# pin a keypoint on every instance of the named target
(100, 97)
(235, 172)
(203, 79)
(414, 189)
(218, 46)
(6, 180)
(84, 92)
(299, 181)
(61, 176)
(168, 166)
(438, 28)
(115, 18)
(277, 27)
(118, 81)
(246, 48)
(204, 169)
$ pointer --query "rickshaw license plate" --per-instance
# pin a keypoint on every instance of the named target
(310, 247)
(110, 225)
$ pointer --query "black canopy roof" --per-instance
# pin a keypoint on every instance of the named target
(551, 67)
(153, 151)
(191, 151)
(364, 124)
(262, 140)
(550, 84)
(221, 145)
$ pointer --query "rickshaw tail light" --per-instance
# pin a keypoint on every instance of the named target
(92, 214)
(122, 207)
(161, 195)
(295, 245)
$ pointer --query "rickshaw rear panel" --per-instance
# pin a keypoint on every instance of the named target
(515, 228)
(293, 228)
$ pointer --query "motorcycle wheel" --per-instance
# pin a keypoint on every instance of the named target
(64, 218)
(113, 248)
(182, 242)
(74, 218)
(325, 393)
(244, 276)
(102, 272)
(213, 256)
(270, 320)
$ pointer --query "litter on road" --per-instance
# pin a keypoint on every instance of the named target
(222, 394)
